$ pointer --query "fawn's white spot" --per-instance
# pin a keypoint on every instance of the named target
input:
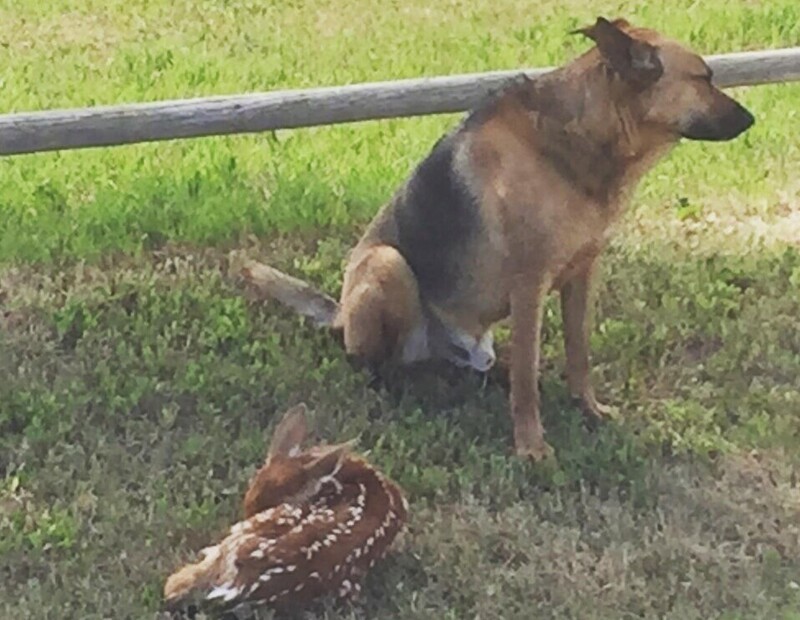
(211, 554)
(226, 592)
(240, 528)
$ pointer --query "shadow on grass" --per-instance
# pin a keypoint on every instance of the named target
(137, 401)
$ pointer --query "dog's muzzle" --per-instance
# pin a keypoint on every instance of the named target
(736, 120)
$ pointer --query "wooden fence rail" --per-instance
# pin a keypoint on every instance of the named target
(32, 132)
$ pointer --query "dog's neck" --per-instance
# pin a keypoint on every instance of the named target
(589, 127)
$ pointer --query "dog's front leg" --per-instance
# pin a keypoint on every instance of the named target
(575, 298)
(527, 300)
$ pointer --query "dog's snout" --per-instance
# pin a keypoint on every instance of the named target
(738, 120)
(735, 120)
(747, 120)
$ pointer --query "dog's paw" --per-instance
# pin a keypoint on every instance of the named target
(595, 413)
(536, 450)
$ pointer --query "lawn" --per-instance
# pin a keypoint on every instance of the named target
(139, 380)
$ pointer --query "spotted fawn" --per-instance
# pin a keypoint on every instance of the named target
(315, 521)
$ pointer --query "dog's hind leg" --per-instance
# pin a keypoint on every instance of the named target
(380, 311)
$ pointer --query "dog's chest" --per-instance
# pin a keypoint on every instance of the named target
(576, 261)
(484, 279)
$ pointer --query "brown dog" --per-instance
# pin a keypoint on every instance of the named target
(515, 202)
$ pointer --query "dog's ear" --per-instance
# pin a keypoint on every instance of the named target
(636, 61)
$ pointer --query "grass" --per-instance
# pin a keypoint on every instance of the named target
(140, 380)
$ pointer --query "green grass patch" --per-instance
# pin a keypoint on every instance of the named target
(140, 382)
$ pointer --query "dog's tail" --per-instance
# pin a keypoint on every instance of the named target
(292, 292)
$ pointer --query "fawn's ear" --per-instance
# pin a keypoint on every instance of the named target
(328, 459)
(290, 433)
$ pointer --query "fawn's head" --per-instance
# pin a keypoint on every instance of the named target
(291, 473)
